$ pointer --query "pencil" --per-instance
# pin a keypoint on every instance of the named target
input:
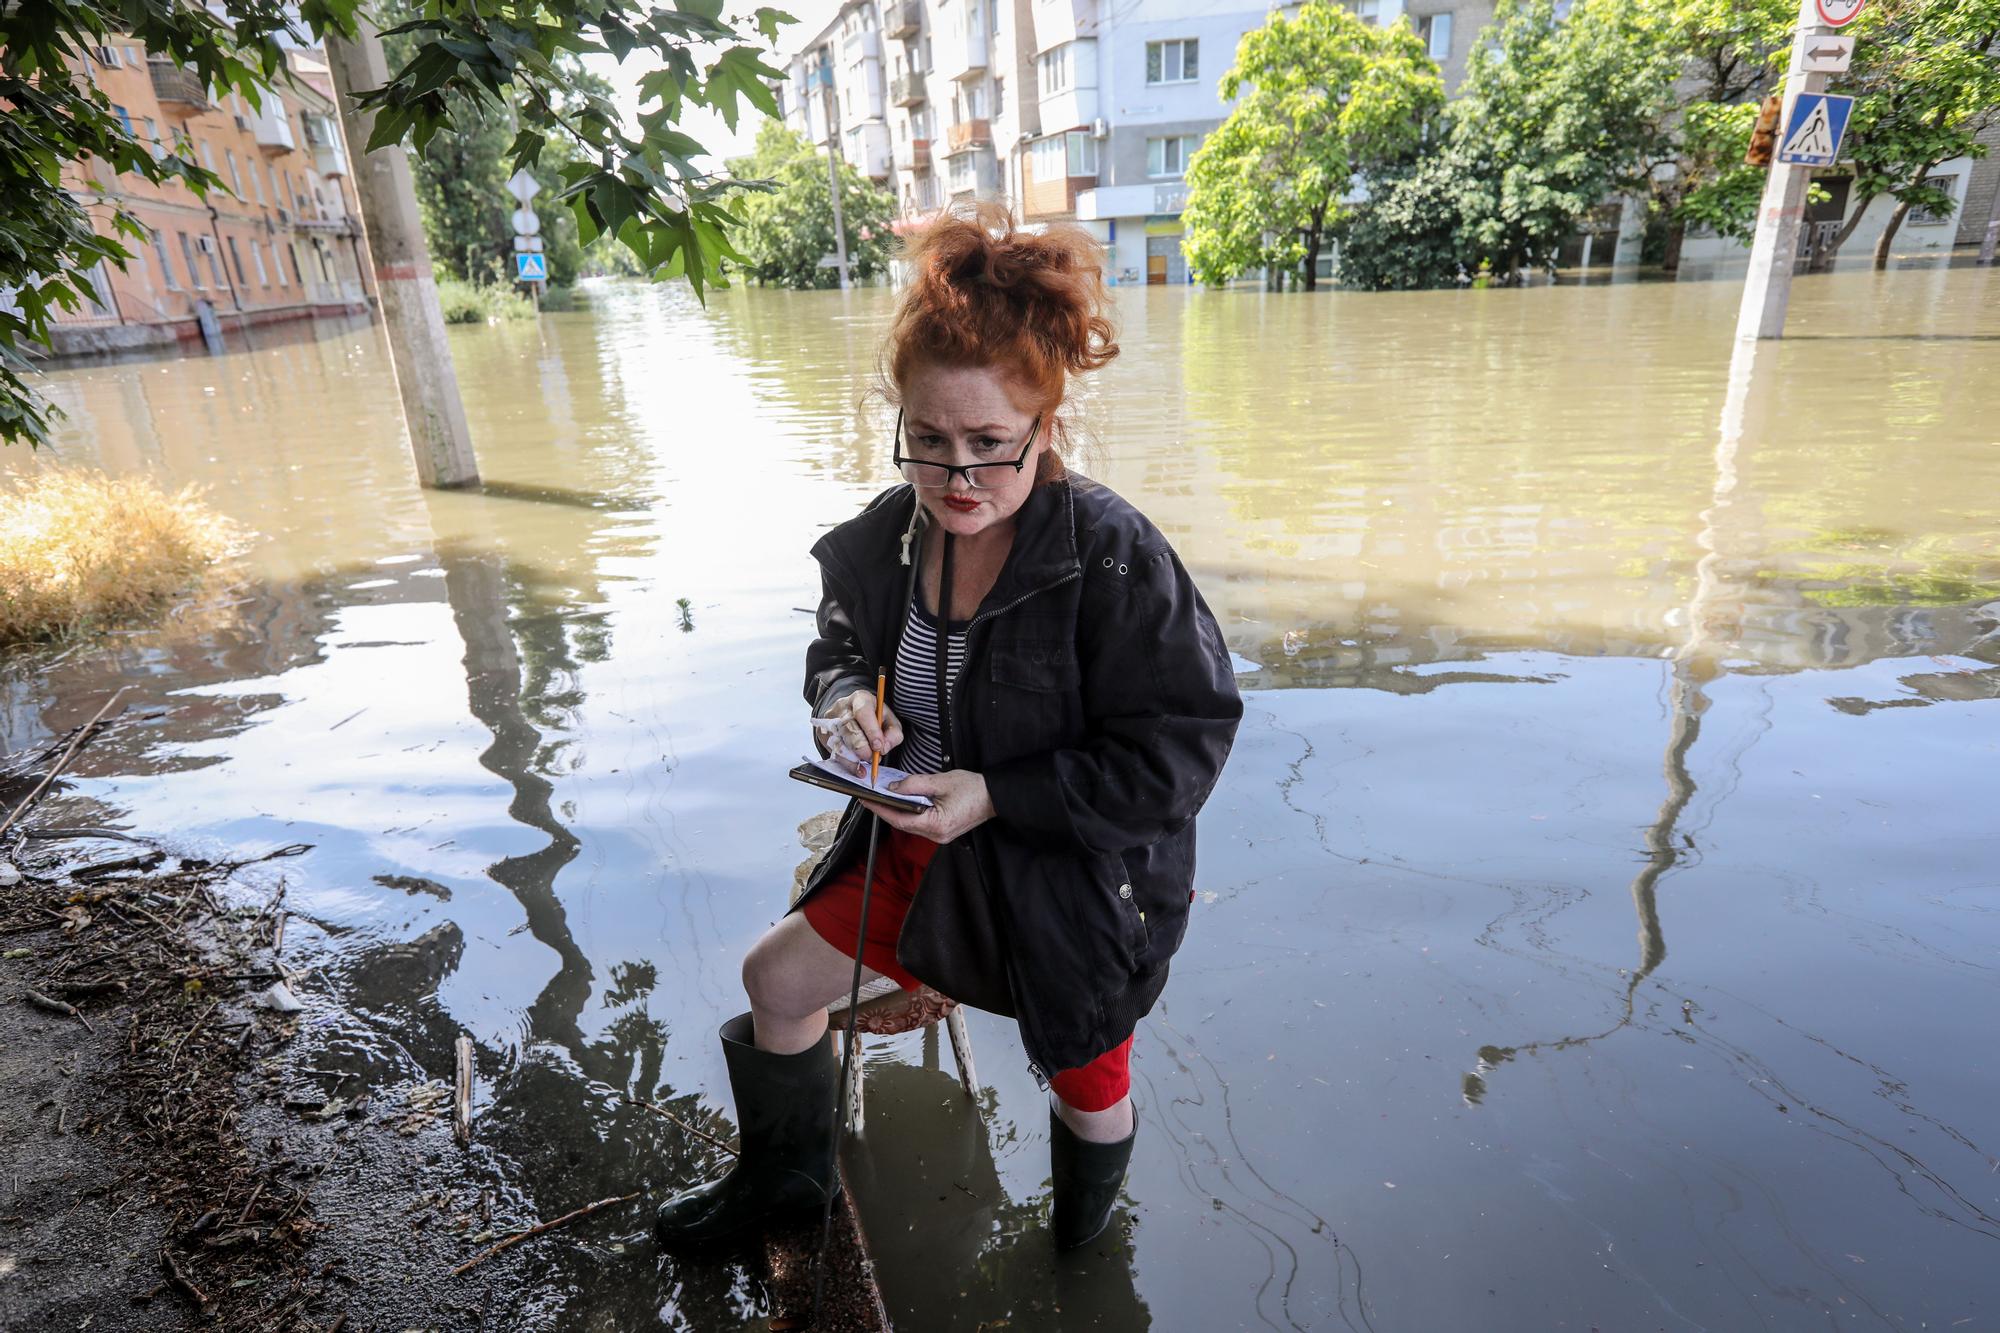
(875, 756)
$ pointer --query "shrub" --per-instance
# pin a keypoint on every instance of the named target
(476, 303)
(80, 550)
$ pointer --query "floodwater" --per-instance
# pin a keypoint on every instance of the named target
(1599, 919)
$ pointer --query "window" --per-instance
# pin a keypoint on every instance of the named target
(1071, 154)
(1368, 11)
(132, 56)
(1924, 217)
(124, 119)
(257, 262)
(187, 254)
(256, 181)
(1172, 62)
(1168, 156)
(297, 272)
(235, 181)
(236, 262)
(999, 97)
(108, 56)
(1052, 68)
(207, 157)
(153, 138)
(278, 264)
(166, 269)
(963, 176)
(215, 265)
(1436, 32)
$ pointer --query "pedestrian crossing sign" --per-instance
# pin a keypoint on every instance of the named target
(531, 268)
(1812, 135)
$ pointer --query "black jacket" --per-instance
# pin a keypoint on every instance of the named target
(1098, 700)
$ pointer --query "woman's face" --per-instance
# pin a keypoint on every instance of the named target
(968, 414)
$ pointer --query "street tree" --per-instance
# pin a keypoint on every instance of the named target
(1555, 118)
(1734, 53)
(1926, 80)
(639, 183)
(1321, 99)
(788, 228)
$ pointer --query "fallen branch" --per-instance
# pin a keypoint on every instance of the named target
(533, 1231)
(180, 1281)
(729, 1148)
(63, 762)
(461, 1105)
(55, 1006)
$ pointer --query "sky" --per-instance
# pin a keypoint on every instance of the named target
(704, 124)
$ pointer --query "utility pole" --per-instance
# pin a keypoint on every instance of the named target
(1767, 288)
(411, 316)
(833, 161)
(1986, 246)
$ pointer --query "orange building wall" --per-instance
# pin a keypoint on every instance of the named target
(283, 232)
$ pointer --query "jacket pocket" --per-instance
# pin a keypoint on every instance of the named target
(1044, 667)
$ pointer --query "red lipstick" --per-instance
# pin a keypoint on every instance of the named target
(964, 504)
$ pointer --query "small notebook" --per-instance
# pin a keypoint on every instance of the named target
(832, 776)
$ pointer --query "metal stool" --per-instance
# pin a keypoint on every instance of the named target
(885, 1009)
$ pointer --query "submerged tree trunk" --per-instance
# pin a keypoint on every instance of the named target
(1312, 260)
(1670, 261)
(1888, 236)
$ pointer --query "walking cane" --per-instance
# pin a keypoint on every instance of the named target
(853, 1034)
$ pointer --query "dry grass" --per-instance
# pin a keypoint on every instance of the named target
(82, 551)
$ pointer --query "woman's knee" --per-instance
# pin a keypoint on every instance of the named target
(771, 977)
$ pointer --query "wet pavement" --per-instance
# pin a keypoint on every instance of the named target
(1599, 920)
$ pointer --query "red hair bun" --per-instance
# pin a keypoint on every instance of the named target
(983, 293)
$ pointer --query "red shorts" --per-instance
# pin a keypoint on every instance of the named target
(835, 913)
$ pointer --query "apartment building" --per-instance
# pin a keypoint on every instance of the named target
(280, 240)
(1082, 110)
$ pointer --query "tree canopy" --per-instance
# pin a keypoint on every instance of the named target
(638, 183)
(788, 228)
(1321, 99)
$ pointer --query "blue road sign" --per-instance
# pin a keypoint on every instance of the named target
(531, 268)
(1812, 135)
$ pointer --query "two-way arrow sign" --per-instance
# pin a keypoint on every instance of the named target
(1825, 55)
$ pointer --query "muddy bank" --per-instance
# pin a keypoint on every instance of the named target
(199, 1131)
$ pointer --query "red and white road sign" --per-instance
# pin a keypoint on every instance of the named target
(1839, 13)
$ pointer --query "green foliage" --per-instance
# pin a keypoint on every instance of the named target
(1321, 98)
(637, 184)
(481, 303)
(1407, 236)
(1553, 119)
(1715, 186)
(1926, 81)
(788, 228)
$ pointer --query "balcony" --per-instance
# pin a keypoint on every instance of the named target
(959, 54)
(329, 154)
(271, 127)
(968, 134)
(907, 89)
(903, 20)
(171, 83)
(915, 155)
(1162, 199)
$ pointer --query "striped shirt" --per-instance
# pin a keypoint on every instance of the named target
(913, 689)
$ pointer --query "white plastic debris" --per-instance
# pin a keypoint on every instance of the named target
(279, 997)
(9, 876)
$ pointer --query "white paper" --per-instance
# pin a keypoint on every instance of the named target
(884, 779)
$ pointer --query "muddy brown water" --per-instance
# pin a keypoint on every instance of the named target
(1600, 916)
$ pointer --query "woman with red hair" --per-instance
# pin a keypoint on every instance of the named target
(1060, 692)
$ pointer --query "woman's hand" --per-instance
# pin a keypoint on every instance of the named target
(959, 804)
(854, 733)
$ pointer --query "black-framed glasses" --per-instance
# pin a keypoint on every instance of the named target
(979, 476)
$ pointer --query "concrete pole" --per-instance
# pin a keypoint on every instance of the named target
(411, 316)
(1992, 239)
(833, 163)
(1767, 288)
